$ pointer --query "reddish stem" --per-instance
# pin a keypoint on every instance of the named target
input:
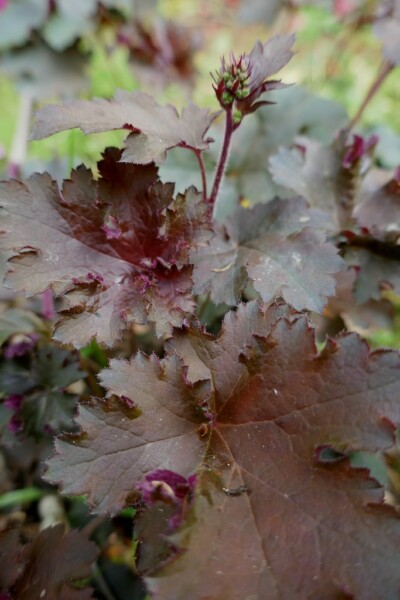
(219, 174)
(383, 72)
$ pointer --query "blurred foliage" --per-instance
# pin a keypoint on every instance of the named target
(333, 61)
(389, 337)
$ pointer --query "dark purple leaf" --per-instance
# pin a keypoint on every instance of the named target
(129, 444)
(63, 240)
(272, 517)
(47, 566)
(279, 247)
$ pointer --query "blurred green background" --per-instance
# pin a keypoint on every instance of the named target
(331, 61)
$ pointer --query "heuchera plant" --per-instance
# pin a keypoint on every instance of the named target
(234, 446)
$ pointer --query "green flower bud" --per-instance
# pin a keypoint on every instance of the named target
(242, 94)
(227, 98)
(237, 117)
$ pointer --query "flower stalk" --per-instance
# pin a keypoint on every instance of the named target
(383, 72)
(239, 85)
(220, 171)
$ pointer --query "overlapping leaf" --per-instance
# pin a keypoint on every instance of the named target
(280, 247)
(17, 321)
(155, 128)
(375, 251)
(115, 251)
(36, 401)
(278, 514)
(128, 444)
(47, 566)
(380, 211)
(310, 170)
(378, 267)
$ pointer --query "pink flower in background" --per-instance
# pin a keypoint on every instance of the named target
(3, 4)
(343, 7)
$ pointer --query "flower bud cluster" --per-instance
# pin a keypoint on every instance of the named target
(232, 84)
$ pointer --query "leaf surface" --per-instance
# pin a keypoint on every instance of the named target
(156, 128)
(116, 251)
(279, 511)
(128, 444)
(279, 247)
(377, 271)
(380, 212)
(48, 565)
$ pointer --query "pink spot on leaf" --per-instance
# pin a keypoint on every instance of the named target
(111, 228)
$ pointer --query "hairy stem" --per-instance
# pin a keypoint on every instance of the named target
(199, 157)
(383, 72)
(219, 174)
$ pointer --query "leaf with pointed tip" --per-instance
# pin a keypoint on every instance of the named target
(279, 247)
(278, 514)
(199, 350)
(47, 565)
(269, 58)
(115, 250)
(129, 443)
(155, 128)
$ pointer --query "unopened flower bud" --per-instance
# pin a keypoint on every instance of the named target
(237, 117)
(227, 98)
(243, 93)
